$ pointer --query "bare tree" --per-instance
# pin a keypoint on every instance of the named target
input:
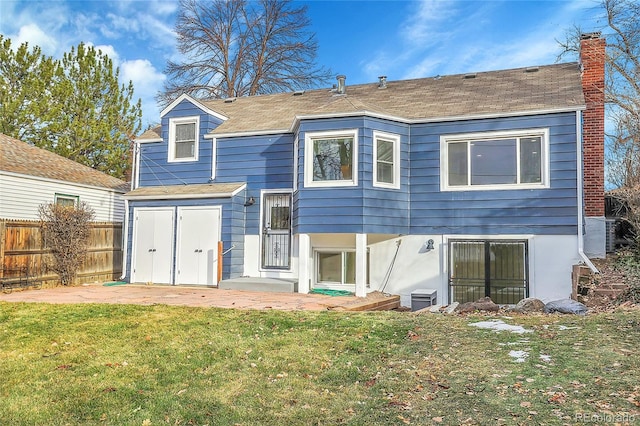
(66, 231)
(622, 88)
(240, 48)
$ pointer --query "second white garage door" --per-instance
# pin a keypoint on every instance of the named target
(197, 245)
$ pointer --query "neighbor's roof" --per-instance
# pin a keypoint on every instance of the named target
(507, 92)
(22, 158)
(207, 190)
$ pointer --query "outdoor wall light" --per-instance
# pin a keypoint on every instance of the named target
(251, 201)
(428, 245)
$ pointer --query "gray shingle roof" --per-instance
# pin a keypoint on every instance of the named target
(207, 190)
(506, 92)
(20, 157)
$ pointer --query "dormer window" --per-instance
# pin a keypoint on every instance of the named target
(183, 139)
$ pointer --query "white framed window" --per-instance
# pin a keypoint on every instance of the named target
(184, 139)
(386, 160)
(66, 200)
(335, 266)
(331, 159)
(495, 160)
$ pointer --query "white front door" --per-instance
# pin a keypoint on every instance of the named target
(152, 245)
(198, 236)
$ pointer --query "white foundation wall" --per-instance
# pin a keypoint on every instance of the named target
(415, 267)
(550, 260)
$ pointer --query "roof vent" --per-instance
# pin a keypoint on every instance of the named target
(532, 69)
(298, 93)
(229, 100)
(470, 75)
(382, 82)
(341, 86)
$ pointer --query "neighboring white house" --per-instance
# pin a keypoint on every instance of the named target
(31, 176)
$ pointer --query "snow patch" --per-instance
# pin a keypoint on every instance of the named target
(499, 325)
(520, 356)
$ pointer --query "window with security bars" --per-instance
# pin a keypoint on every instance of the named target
(494, 268)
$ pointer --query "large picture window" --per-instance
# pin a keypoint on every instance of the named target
(386, 169)
(499, 160)
(331, 159)
(183, 139)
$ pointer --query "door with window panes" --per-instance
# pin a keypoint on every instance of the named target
(276, 231)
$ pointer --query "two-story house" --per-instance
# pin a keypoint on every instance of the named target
(488, 183)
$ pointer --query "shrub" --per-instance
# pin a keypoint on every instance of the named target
(65, 230)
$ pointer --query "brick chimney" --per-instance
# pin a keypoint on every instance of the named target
(592, 59)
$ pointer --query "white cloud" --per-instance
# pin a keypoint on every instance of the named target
(35, 36)
(147, 82)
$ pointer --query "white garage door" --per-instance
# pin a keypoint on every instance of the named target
(197, 249)
(152, 245)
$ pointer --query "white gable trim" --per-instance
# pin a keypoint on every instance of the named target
(198, 104)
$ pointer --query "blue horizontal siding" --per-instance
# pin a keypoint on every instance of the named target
(364, 208)
(549, 211)
(156, 170)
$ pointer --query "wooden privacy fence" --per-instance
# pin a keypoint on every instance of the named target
(21, 249)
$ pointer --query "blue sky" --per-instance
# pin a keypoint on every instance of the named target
(361, 39)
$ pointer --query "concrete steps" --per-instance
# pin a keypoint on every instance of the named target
(276, 285)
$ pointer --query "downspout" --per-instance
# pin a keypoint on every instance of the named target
(580, 196)
(125, 239)
(134, 184)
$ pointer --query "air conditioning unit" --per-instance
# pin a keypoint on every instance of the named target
(610, 242)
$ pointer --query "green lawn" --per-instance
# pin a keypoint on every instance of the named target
(159, 365)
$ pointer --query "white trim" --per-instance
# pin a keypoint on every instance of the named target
(125, 239)
(296, 160)
(395, 139)
(580, 195)
(154, 140)
(214, 157)
(171, 151)
(68, 182)
(198, 104)
(308, 158)
(247, 133)
(135, 173)
(264, 192)
(466, 137)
